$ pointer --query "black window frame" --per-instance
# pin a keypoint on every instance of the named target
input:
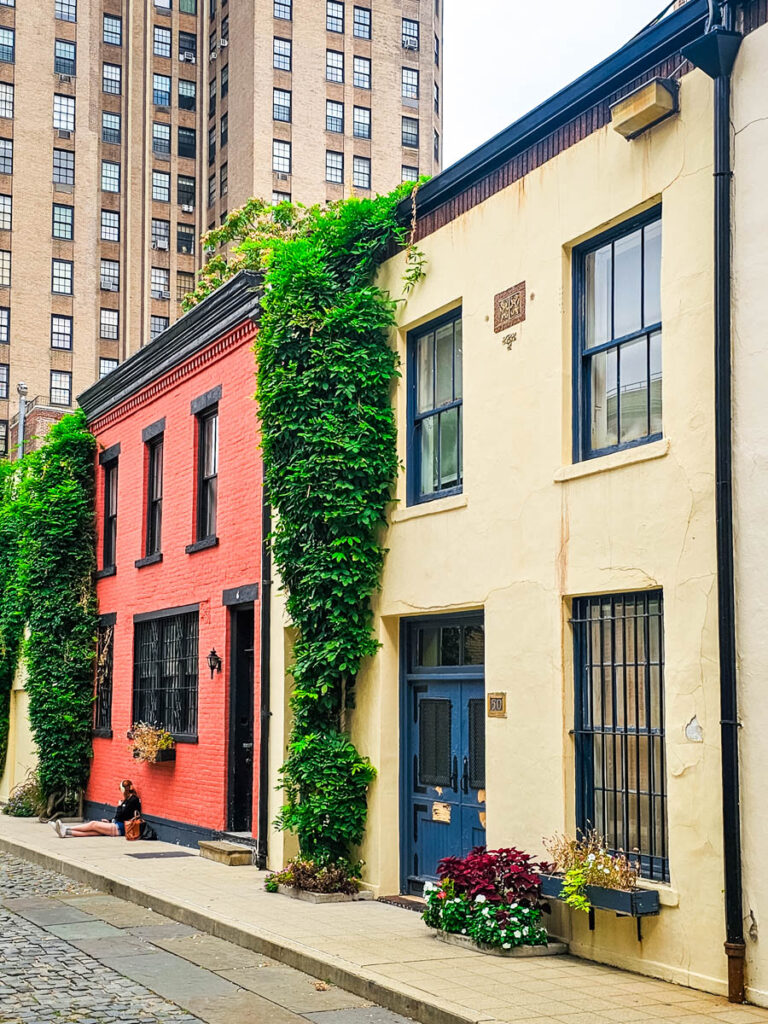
(355, 133)
(65, 65)
(652, 862)
(71, 222)
(188, 147)
(406, 138)
(62, 373)
(102, 700)
(333, 19)
(206, 510)
(187, 101)
(56, 331)
(166, 670)
(111, 483)
(112, 136)
(276, 55)
(5, 325)
(362, 23)
(153, 542)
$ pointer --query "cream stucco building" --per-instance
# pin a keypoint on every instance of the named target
(549, 606)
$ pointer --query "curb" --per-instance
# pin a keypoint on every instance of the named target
(407, 1001)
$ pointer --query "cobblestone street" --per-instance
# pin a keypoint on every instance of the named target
(71, 955)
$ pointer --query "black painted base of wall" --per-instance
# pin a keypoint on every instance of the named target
(168, 831)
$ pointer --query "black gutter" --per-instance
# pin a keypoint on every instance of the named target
(231, 304)
(265, 653)
(715, 55)
(649, 47)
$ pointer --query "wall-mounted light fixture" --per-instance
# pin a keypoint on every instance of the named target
(214, 662)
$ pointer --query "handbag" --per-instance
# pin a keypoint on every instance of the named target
(133, 827)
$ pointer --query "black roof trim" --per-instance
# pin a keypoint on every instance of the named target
(231, 304)
(643, 51)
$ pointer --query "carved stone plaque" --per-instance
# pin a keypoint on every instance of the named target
(509, 308)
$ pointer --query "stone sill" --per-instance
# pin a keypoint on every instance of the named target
(429, 508)
(616, 460)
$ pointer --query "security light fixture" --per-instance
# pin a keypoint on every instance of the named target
(214, 662)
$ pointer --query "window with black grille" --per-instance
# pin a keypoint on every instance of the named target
(102, 708)
(165, 672)
(620, 745)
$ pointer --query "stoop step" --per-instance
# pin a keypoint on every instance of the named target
(224, 852)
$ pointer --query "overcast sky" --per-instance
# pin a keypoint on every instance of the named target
(503, 57)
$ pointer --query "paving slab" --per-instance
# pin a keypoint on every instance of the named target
(372, 1015)
(292, 989)
(120, 913)
(208, 951)
(110, 948)
(47, 912)
(82, 930)
(170, 977)
(240, 1008)
(162, 931)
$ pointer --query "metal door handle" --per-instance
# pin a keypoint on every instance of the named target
(465, 777)
(455, 775)
(247, 746)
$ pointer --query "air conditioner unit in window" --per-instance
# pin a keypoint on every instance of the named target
(212, 55)
(108, 286)
(64, 134)
(281, 177)
(410, 43)
(64, 78)
(162, 243)
(223, 43)
(165, 295)
(156, 293)
(187, 208)
(188, 57)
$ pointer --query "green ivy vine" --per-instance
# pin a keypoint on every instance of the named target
(47, 561)
(325, 372)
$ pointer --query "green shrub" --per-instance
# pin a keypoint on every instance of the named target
(309, 876)
(27, 799)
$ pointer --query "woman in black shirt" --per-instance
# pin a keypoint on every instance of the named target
(128, 808)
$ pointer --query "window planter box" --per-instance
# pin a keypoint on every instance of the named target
(624, 903)
(455, 939)
(323, 897)
(162, 755)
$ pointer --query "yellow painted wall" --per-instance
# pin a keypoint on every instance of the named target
(750, 439)
(22, 754)
(531, 530)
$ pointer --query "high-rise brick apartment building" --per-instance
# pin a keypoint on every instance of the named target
(129, 128)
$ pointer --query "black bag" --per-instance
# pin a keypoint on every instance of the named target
(146, 831)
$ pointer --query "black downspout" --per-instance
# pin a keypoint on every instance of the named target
(715, 53)
(264, 641)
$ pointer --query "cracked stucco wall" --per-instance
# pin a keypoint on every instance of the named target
(750, 440)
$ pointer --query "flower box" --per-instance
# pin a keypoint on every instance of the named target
(160, 756)
(323, 897)
(455, 939)
(624, 902)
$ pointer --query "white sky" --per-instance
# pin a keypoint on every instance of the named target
(503, 57)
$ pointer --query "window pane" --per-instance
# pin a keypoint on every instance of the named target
(444, 354)
(604, 400)
(655, 361)
(626, 284)
(450, 474)
(458, 374)
(598, 287)
(633, 371)
(425, 372)
(652, 279)
(429, 481)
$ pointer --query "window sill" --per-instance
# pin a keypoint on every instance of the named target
(630, 456)
(110, 570)
(668, 897)
(202, 545)
(429, 508)
(149, 560)
(184, 739)
(102, 734)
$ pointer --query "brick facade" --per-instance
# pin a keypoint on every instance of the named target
(193, 790)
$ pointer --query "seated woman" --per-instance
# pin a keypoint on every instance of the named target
(128, 808)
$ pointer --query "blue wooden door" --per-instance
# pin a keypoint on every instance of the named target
(444, 746)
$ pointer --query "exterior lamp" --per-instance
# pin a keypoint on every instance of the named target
(214, 662)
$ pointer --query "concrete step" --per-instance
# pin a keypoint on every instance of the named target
(223, 852)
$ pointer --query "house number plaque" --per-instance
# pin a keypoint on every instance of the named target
(497, 705)
(509, 308)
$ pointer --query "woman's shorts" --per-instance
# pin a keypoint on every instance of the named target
(120, 828)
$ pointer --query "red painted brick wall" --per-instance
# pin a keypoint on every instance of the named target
(193, 789)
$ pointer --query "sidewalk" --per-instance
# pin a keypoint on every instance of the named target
(377, 952)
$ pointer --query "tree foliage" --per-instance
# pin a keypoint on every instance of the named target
(325, 371)
(47, 555)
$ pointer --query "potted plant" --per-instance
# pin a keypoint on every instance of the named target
(587, 876)
(318, 883)
(152, 745)
(490, 901)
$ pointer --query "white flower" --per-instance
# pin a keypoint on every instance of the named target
(591, 857)
(525, 931)
(429, 887)
(506, 945)
(606, 871)
(463, 931)
(518, 935)
(480, 898)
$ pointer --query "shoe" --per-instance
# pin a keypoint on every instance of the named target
(56, 826)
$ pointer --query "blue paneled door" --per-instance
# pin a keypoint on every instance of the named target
(444, 746)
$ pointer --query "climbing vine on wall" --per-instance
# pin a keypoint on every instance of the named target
(325, 371)
(46, 571)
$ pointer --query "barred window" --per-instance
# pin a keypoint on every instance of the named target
(111, 79)
(165, 672)
(362, 73)
(63, 221)
(7, 45)
(161, 42)
(185, 283)
(281, 54)
(64, 113)
(157, 324)
(361, 172)
(6, 100)
(61, 387)
(110, 275)
(5, 268)
(334, 167)
(361, 123)
(161, 186)
(63, 165)
(282, 9)
(187, 95)
(66, 10)
(4, 379)
(334, 16)
(5, 325)
(107, 366)
(334, 66)
(620, 740)
(410, 132)
(6, 156)
(61, 277)
(161, 90)
(109, 321)
(110, 176)
(110, 226)
(281, 105)
(64, 57)
(5, 213)
(362, 23)
(410, 84)
(110, 127)
(102, 714)
(281, 156)
(113, 30)
(61, 332)
(161, 138)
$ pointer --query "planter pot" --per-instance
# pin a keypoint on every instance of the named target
(454, 939)
(626, 903)
(161, 756)
(323, 897)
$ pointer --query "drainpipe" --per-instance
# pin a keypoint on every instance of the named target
(264, 643)
(715, 53)
(22, 389)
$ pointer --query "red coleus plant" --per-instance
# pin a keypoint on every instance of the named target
(502, 876)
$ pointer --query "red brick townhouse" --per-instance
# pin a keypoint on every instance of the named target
(180, 565)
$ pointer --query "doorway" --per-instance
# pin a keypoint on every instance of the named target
(240, 809)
